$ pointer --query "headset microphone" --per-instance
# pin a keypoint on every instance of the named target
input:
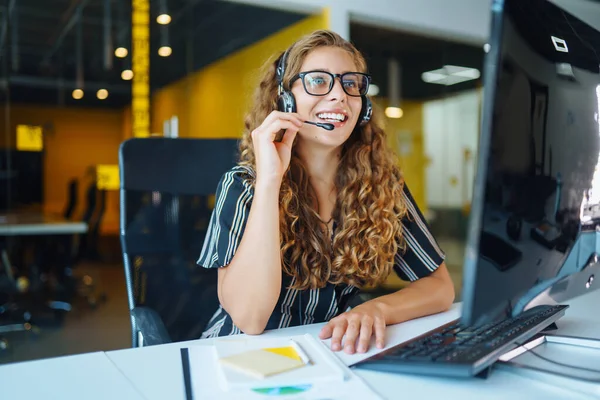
(328, 127)
(323, 125)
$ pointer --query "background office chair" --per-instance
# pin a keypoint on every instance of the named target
(166, 189)
(71, 205)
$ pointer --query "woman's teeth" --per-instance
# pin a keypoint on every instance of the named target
(333, 117)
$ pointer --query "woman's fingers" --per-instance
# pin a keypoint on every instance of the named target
(366, 331)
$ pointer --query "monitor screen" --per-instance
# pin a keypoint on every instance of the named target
(537, 191)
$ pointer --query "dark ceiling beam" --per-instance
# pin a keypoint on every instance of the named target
(183, 11)
(108, 38)
(68, 20)
(14, 41)
(123, 25)
(44, 14)
(54, 83)
(6, 15)
(204, 23)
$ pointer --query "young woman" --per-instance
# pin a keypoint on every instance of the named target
(302, 223)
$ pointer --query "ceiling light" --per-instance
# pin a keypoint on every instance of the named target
(450, 75)
(373, 90)
(163, 19)
(127, 75)
(394, 86)
(560, 44)
(433, 76)
(470, 73)
(394, 112)
(102, 94)
(121, 52)
(486, 47)
(163, 13)
(165, 51)
(77, 94)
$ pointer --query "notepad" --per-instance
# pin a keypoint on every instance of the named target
(262, 363)
(246, 364)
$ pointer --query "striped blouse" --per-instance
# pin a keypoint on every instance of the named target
(226, 227)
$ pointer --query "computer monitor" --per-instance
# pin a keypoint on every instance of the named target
(535, 214)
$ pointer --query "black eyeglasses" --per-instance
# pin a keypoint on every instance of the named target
(320, 83)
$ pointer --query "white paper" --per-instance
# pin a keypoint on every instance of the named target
(324, 367)
(208, 382)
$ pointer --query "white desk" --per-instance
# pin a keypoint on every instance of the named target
(155, 372)
(90, 376)
(29, 224)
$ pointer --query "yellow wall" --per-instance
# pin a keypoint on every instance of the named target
(79, 138)
(126, 127)
(212, 102)
(405, 136)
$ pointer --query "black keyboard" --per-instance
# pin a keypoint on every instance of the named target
(454, 350)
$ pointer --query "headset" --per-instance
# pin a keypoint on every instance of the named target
(287, 103)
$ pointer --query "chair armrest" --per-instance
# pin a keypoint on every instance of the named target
(150, 325)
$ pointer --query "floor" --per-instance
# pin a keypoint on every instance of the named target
(85, 329)
(106, 327)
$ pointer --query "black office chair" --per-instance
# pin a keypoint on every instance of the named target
(166, 185)
(91, 204)
(94, 223)
(71, 205)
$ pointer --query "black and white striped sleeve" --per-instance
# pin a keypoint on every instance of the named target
(422, 254)
(228, 220)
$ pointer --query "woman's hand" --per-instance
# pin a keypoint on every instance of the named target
(273, 158)
(358, 324)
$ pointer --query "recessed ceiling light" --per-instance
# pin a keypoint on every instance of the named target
(560, 44)
(486, 47)
(77, 94)
(102, 94)
(394, 112)
(121, 52)
(163, 19)
(165, 51)
(127, 75)
(450, 75)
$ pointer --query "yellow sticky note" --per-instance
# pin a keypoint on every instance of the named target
(260, 363)
(287, 351)
(29, 138)
(107, 177)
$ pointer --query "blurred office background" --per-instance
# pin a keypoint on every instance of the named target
(66, 104)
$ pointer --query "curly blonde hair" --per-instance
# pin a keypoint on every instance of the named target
(369, 184)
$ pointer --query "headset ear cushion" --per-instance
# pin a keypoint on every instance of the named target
(366, 110)
(286, 102)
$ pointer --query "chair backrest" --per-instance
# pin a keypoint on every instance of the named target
(72, 191)
(166, 185)
(91, 200)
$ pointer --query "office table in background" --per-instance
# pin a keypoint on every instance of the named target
(38, 224)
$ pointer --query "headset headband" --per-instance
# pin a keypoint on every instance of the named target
(280, 72)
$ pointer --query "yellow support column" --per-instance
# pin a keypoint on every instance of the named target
(140, 54)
